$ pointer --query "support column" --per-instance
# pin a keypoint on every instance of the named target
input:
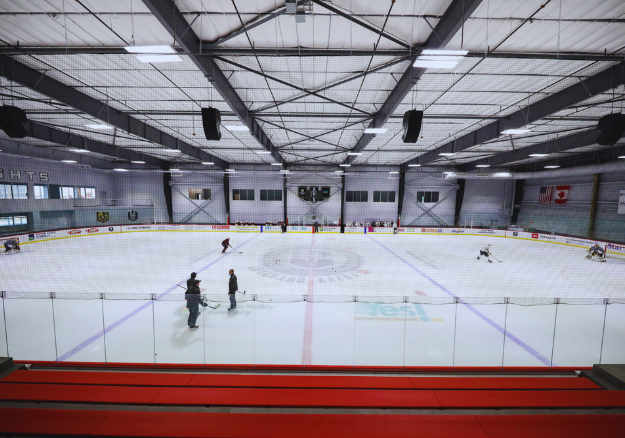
(342, 202)
(459, 200)
(284, 191)
(517, 200)
(227, 197)
(167, 193)
(400, 198)
(596, 182)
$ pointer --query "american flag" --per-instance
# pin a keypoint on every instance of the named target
(545, 195)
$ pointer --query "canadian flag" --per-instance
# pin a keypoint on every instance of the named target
(562, 193)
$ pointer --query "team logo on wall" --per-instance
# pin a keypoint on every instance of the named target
(111, 228)
(133, 215)
(302, 191)
(296, 263)
(102, 216)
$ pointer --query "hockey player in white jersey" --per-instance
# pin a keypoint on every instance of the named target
(596, 250)
(486, 253)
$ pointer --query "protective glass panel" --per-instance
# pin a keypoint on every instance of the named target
(230, 334)
(379, 334)
(79, 330)
(529, 335)
(174, 342)
(124, 317)
(613, 350)
(479, 335)
(30, 329)
(577, 343)
(333, 335)
(280, 333)
(430, 334)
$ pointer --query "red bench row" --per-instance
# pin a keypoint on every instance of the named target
(380, 398)
(283, 381)
(188, 424)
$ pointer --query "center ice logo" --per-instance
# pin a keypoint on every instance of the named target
(295, 263)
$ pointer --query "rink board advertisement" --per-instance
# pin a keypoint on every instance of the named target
(271, 229)
(380, 230)
(354, 230)
(327, 230)
(298, 229)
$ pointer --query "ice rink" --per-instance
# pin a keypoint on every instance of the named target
(378, 300)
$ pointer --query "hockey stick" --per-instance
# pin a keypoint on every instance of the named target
(500, 261)
(205, 303)
(241, 292)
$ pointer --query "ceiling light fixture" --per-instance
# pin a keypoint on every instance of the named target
(119, 169)
(439, 58)
(171, 151)
(98, 126)
(482, 165)
(154, 53)
(414, 165)
(276, 164)
(263, 152)
(345, 165)
(69, 161)
(502, 175)
(446, 154)
(393, 171)
(208, 163)
(375, 130)
(138, 162)
(80, 151)
(237, 128)
(539, 155)
(338, 171)
(551, 167)
(174, 170)
(515, 131)
(622, 156)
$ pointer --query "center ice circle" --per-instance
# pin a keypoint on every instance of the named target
(302, 260)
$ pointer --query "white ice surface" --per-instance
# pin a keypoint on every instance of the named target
(331, 268)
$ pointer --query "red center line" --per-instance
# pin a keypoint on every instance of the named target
(307, 356)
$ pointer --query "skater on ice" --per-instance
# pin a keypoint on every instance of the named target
(226, 244)
(194, 300)
(596, 250)
(486, 253)
(12, 244)
(191, 280)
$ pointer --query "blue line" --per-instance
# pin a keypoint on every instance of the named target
(516, 340)
(139, 309)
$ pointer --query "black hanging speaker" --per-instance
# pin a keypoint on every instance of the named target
(211, 120)
(13, 121)
(612, 128)
(412, 126)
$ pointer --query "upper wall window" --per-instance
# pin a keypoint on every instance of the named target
(242, 194)
(428, 197)
(85, 192)
(271, 195)
(200, 194)
(13, 191)
(41, 191)
(356, 196)
(68, 192)
(384, 196)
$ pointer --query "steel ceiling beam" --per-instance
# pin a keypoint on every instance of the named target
(453, 18)
(360, 23)
(35, 80)
(175, 23)
(562, 144)
(580, 91)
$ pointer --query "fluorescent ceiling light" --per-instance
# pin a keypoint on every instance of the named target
(446, 154)
(154, 53)
(119, 169)
(393, 171)
(69, 161)
(174, 170)
(439, 58)
(622, 156)
(345, 165)
(150, 49)
(263, 152)
(482, 165)
(207, 163)
(502, 175)
(284, 170)
(98, 126)
(551, 167)
(276, 164)
(414, 165)
(171, 151)
(539, 155)
(515, 131)
(449, 174)
(158, 58)
(80, 151)
(230, 170)
(338, 171)
(138, 162)
(354, 153)
(375, 130)
(237, 128)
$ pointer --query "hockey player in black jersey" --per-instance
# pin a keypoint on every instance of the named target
(596, 250)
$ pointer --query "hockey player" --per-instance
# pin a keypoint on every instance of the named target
(226, 244)
(486, 253)
(12, 244)
(596, 250)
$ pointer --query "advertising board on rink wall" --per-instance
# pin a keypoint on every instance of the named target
(298, 229)
(380, 230)
(329, 229)
(354, 230)
(271, 229)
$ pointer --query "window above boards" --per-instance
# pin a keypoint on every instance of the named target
(9, 221)
(242, 194)
(271, 195)
(13, 191)
(200, 194)
(356, 196)
(427, 197)
(384, 196)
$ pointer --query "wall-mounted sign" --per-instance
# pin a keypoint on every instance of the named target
(102, 216)
(133, 215)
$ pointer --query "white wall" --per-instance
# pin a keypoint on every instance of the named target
(486, 203)
(370, 211)
(185, 209)
(413, 213)
(327, 211)
(257, 211)
(610, 225)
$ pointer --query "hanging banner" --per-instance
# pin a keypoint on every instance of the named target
(621, 203)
